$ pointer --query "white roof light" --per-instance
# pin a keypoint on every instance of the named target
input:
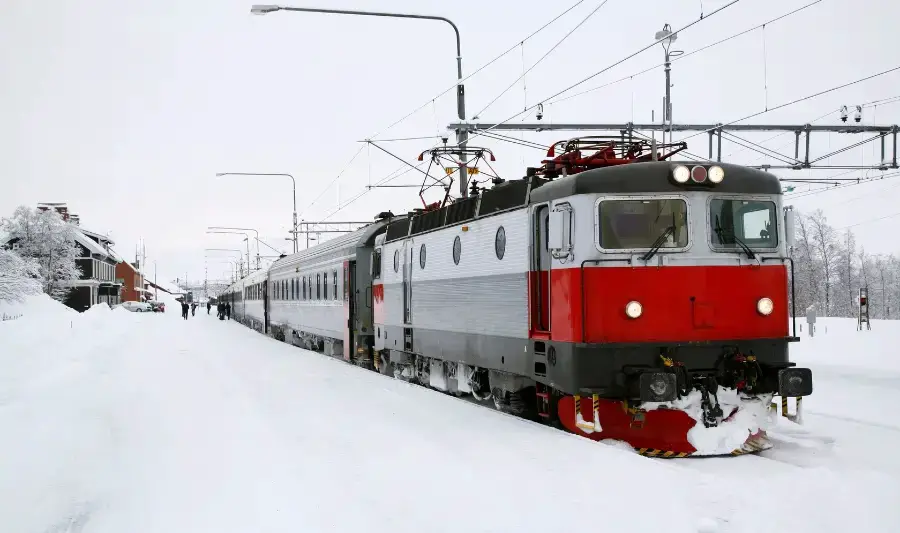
(681, 174)
(716, 174)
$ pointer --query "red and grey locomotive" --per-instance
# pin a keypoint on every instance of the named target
(612, 293)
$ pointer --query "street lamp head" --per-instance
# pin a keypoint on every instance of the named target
(666, 37)
(262, 9)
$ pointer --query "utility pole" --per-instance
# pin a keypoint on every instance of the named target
(155, 285)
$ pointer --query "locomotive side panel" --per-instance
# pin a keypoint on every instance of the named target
(468, 292)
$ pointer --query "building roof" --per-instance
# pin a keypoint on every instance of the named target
(99, 236)
(92, 246)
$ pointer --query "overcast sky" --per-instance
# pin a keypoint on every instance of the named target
(127, 109)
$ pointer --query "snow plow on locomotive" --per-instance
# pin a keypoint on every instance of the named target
(609, 292)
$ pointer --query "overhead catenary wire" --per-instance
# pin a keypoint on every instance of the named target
(797, 101)
(352, 159)
(479, 69)
(542, 58)
(605, 69)
(688, 54)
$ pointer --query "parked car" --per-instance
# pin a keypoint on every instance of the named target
(158, 307)
(138, 307)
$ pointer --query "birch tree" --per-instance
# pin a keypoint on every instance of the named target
(19, 277)
(44, 237)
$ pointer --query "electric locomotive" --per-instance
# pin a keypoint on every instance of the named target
(611, 292)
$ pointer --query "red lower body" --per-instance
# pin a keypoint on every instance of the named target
(659, 432)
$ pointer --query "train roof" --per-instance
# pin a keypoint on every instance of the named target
(654, 177)
(364, 236)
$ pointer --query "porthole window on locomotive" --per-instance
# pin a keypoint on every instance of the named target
(422, 256)
(457, 250)
(500, 242)
(396, 260)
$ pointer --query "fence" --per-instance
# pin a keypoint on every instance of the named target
(4, 317)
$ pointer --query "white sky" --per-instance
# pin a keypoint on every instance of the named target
(127, 109)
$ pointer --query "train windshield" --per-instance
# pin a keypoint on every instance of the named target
(752, 222)
(640, 224)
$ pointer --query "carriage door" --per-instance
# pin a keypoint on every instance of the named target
(407, 281)
(539, 277)
(265, 299)
(407, 295)
(349, 308)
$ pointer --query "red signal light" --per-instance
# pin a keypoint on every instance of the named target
(698, 174)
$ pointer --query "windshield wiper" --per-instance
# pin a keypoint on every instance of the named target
(657, 244)
(721, 233)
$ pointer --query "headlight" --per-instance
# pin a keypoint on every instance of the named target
(633, 309)
(716, 174)
(681, 174)
(658, 387)
(795, 382)
(765, 306)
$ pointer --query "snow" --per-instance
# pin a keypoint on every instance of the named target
(744, 416)
(144, 422)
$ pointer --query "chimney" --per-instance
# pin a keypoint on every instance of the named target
(75, 219)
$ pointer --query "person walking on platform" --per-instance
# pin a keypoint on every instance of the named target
(184, 310)
(228, 310)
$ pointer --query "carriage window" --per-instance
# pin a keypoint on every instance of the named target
(318, 286)
(325, 278)
(641, 224)
(752, 222)
(334, 278)
(376, 264)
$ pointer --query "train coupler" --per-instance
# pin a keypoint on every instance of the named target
(583, 424)
(712, 411)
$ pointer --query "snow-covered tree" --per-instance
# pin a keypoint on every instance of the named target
(19, 277)
(46, 238)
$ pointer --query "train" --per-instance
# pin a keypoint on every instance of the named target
(611, 292)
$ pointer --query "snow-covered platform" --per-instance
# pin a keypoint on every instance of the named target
(206, 426)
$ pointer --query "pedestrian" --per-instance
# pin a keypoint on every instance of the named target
(194, 309)
(184, 310)
(220, 310)
(228, 310)
(208, 306)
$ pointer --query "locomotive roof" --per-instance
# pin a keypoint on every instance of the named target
(654, 177)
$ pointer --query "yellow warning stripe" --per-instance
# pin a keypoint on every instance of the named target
(653, 452)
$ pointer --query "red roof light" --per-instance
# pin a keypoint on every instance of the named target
(698, 174)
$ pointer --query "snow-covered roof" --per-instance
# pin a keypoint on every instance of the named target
(92, 246)
(97, 235)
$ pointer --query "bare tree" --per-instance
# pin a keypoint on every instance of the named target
(825, 243)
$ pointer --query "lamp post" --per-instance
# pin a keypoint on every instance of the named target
(239, 253)
(242, 229)
(666, 38)
(293, 181)
(462, 135)
(246, 239)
